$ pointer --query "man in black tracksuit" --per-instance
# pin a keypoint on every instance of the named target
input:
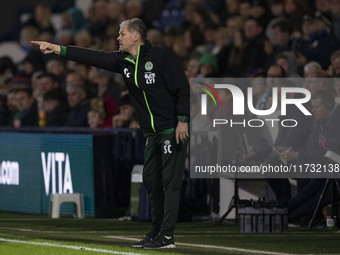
(160, 95)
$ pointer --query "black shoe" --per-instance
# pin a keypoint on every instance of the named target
(160, 242)
(148, 238)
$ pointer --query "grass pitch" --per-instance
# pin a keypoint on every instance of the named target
(36, 234)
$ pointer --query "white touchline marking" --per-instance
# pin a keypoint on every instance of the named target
(69, 247)
(214, 247)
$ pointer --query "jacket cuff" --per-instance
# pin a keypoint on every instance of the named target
(182, 118)
(62, 51)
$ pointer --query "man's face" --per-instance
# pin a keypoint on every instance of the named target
(46, 84)
(313, 83)
(24, 102)
(283, 63)
(273, 75)
(259, 86)
(319, 110)
(54, 67)
(50, 104)
(251, 29)
(126, 110)
(75, 96)
(11, 101)
(93, 119)
(126, 39)
(281, 38)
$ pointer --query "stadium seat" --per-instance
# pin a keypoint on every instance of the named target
(57, 199)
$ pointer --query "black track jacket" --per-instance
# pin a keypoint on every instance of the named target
(155, 79)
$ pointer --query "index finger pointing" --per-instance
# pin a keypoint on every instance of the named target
(37, 42)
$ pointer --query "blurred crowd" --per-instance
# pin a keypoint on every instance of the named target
(230, 38)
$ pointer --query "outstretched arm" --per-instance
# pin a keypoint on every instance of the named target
(100, 59)
(47, 47)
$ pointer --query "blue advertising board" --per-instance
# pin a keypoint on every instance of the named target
(33, 166)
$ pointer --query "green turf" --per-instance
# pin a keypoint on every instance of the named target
(97, 233)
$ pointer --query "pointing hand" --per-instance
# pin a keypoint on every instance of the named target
(47, 47)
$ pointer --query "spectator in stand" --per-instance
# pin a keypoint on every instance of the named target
(209, 33)
(74, 77)
(26, 35)
(27, 114)
(20, 79)
(83, 38)
(324, 136)
(33, 56)
(31, 63)
(259, 11)
(193, 66)
(154, 36)
(230, 58)
(99, 20)
(108, 90)
(193, 39)
(208, 66)
(126, 113)
(79, 104)
(281, 33)
(115, 13)
(106, 85)
(316, 80)
(233, 24)
(64, 37)
(220, 40)
(245, 9)
(287, 61)
(254, 49)
(294, 10)
(48, 82)
(288, 138)
(7, 68)
(179, 50)
(232, 7)
(318, 42)
(274, 74)
(57, 66)
(311, 67)
(169, 36)
(324, 7)
(199, 17)
(11, 104)
(334, 69)
(277, 8)
(135, 9)
(97, 114)
(3, 111)
(335, 17)
(56, 108)
(259, 87)
(42, 19)
(73, 21)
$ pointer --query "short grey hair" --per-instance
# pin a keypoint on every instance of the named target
(75, 85)
(135, 25)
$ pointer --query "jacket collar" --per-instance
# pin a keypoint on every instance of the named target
(145, 48)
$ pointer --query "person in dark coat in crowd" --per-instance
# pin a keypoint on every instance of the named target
(80, 106)
(324, 137)
(56, 108)
(27, 115)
